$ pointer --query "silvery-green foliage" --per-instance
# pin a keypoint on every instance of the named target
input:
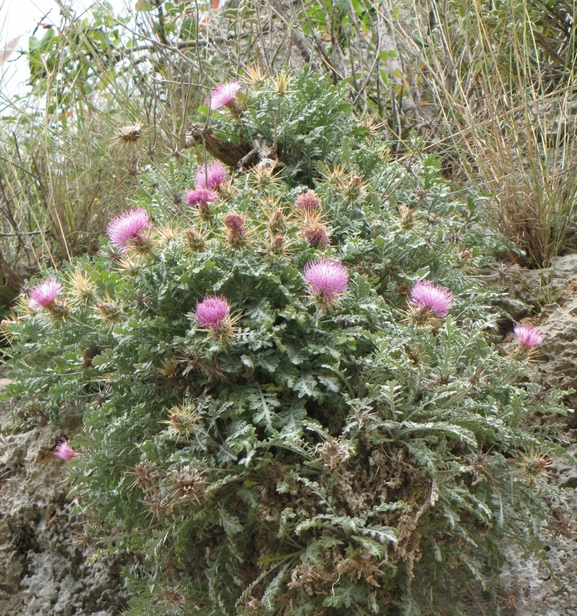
(352, 458)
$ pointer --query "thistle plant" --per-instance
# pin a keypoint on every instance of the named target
(264, 425)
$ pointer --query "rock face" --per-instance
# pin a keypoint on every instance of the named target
(546, 589)
(553, 292)
(45, 568)
(549, 589)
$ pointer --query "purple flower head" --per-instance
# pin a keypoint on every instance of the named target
(128, 227)
(528, 335)
(211, 176)
(308, 203)
(326, 278)
(236, 224)
(212, 312)
(200, 197)
(224, 94)
(64, 451)
(430, 297)
(44, 294)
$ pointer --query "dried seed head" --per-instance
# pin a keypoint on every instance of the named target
(82, 289)
(188, 485)
(171, 596)
(255, 75)
(407, 215)
(333, 453)
(281, 83)
(167, 234)
(158, 506)
(264, 176)
(169, 368)
(146, 476)
(130, 134)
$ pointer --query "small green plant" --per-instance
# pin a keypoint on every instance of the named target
(291, 403)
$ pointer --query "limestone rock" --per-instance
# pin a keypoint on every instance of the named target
(45, 569)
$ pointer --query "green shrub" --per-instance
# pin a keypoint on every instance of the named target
(305, 454)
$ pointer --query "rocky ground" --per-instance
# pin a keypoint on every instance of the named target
(47, 569)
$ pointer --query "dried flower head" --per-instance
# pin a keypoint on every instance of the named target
(407, 215)
(129, 228)
(333, 453)
(264, 176)
(224, 95)
(428, 297)
(147, 475)
(255, 74)
(528, 336)
(130, 134)
(200, 198)
(171, 596)
(327, 279)
(64, 451)
(188, 485)
(44, 294)
(316, 234)
(350, 186)
(281, 83)
(211, 176)
(167, 233)
(81, 287)
(212, 312)
(308, 203)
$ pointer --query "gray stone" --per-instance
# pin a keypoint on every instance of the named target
(44, 571)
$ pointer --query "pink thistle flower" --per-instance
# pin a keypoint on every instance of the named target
(201, 197)
(211, 176)
(430, 297)
(308, 203)
(236, 224)
(44, 295)
(212, 312)
(326, 278)
(316, 235)
(224, 95)
(64, 451)
(528, 335)
(128, 227)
